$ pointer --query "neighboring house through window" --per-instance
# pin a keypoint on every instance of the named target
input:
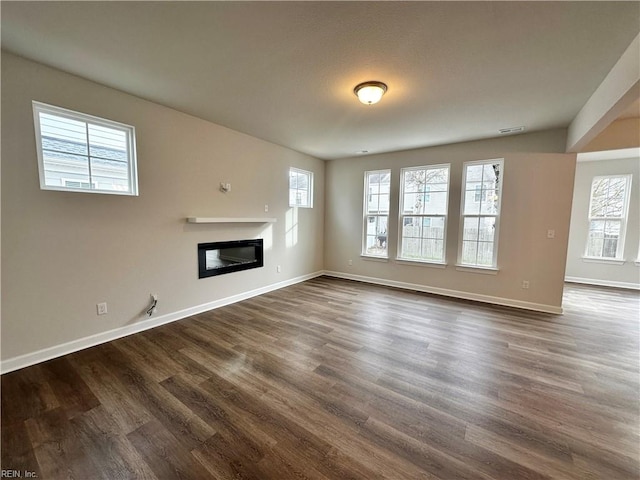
(300, 188)
(83, 153)
(608, 208)
(423, 213)
(480, 213)
(376, 212)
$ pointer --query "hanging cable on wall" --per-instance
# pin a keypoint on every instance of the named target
(154, 304)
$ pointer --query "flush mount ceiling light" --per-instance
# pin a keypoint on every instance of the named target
(370, 92)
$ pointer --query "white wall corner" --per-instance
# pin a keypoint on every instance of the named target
(617, 91)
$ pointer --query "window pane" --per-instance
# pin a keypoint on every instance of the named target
(411, 227)
(469, 250)
(609, 247)
(376, 239)
(608, 206)
(371, 225)
(384, 203)
(485, 253)
(490, 202)
(300, 188)
(78, 153)
(596, 228)
(480, 209)
(425, 195)
(376, 200)
(472, 199)
(61, 166)
(616, 197)
(437, 203)
(433, 250)
(410, 248)
(486, 229)
(72, 133)
(470, 230)
(608, 196)
(474, 173)
(594, 246)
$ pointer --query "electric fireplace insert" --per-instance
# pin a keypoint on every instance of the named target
(218, 258)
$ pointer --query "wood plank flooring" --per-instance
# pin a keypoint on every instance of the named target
(332, 379)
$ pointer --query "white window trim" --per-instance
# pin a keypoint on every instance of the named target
(472, 267)
(365, 214)
(607, 260)
(401, 215)
(39, 107)
(310, 183)
(374, 258)
(421, 263)
(618, 259)
(477, 269)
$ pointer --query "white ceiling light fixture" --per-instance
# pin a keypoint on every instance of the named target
(370, 92)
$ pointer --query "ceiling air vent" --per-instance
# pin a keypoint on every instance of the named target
(504, 131)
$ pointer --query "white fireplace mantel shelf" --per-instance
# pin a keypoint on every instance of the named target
(231, 220)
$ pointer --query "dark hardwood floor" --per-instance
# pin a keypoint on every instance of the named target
(332, 379)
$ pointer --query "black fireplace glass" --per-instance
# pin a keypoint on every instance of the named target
(218, 258)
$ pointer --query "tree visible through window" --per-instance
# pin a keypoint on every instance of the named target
(607, 216)
(376, 212)
(480, 213)
(423, 213)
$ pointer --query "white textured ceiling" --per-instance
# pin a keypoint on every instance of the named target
(285, 71)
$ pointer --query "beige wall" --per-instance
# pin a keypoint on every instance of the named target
(64, 252)
(537, 192)
(628, 274)
(620, 134)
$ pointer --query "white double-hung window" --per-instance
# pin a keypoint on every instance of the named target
(608, 209)
(423, 213)
(300, 188)
(83, 153)
(377, 185)
(480, 213)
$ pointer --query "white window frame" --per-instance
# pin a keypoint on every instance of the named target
(428, 192)
(619, 258)
(309, 176)
(366, 214)
(129, 131)
(473, 266)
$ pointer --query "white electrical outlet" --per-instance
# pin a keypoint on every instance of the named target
(551, 234)
(278, 269)
(102, 308)
(266, 208)
(350, 262)
(525, 284)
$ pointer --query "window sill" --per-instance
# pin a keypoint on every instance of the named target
(610, 261)
(482, 270)
(420, 263)
(374, 259)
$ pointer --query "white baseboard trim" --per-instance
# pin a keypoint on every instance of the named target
(603, 283)
(45, 354)
(507, 302)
